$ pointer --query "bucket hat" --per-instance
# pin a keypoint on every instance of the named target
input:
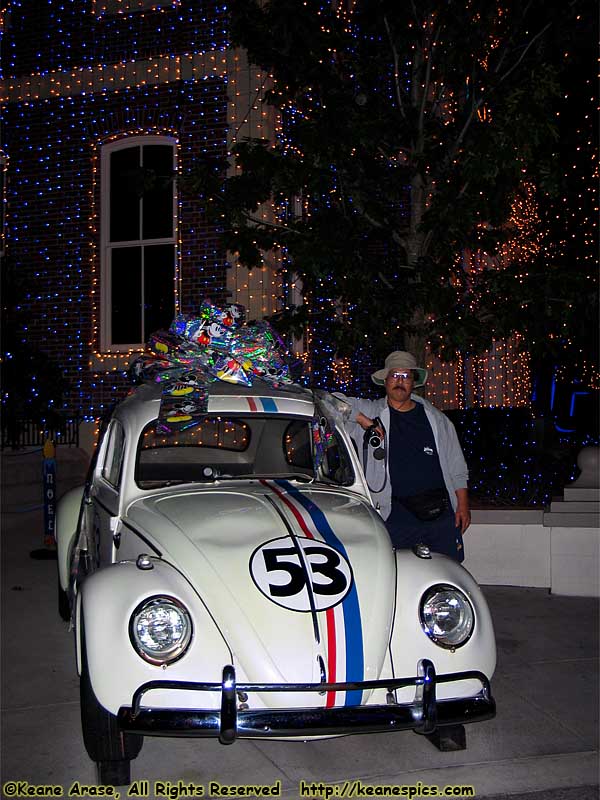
(400, 360)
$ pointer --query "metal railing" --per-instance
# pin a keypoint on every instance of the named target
(20, 433)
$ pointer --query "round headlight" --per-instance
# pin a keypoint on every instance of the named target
(446, 616)
(160, 630)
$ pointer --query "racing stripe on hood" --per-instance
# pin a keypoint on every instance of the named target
(268, 404)
(346, 635)
(329, 613)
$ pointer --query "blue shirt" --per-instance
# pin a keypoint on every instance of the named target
(414, 464)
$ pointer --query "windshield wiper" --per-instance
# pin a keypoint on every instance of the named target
(301, 477)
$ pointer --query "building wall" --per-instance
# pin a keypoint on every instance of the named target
(46, 37)
(83, 80)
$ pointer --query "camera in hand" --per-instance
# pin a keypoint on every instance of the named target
(374, 439)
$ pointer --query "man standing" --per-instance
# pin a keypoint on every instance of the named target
(414, 466)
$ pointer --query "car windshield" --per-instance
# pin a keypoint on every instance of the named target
(243, 448)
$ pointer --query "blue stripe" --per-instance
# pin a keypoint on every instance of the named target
(355, 665)
(268, 404)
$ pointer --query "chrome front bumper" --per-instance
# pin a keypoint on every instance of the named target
(424, 714)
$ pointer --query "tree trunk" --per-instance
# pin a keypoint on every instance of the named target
(415, 341)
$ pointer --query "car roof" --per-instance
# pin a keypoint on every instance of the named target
(224, 397)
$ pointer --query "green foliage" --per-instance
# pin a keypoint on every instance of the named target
(407, 128)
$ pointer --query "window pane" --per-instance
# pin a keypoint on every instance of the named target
(297, 444)
(159, 287)
(218, 443)
(124, 194)
(114, 455)
(126, 295)
(220, 433)
(158, 200)
(336, 465)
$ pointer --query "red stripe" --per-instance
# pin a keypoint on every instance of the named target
(291, 506)
(251, 403)
(331, 655)
(329, 615)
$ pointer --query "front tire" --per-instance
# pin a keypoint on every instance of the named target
(114, 773)
(111, 748)
(64, 607)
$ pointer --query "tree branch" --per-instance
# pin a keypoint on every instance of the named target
(477, 104)
(525, 51)
(266, 224)
(438, 97)
(428, 70)
(396, 67)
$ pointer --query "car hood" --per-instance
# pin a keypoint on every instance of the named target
(300, 580)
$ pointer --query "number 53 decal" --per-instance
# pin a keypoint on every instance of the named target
(300, 573)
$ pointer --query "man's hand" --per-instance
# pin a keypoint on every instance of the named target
(365, 423)
(462, 517)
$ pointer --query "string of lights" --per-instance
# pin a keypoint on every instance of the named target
(128, 68)
(58, 117)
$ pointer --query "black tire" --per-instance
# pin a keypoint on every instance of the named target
(111, 748)
(449, 738)
(64, 607)
(114, 773)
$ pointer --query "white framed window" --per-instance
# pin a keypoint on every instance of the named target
(138, 231)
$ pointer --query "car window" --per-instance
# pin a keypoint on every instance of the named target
(335, 464)
(220, 433)
(216, 446)
(297, 444)
(113, 459)
(256, 446)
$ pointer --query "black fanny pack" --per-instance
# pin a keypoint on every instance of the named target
(428, 505)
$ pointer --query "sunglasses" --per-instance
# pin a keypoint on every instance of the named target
(400, 376)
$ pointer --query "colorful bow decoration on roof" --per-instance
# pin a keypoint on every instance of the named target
(198, 350)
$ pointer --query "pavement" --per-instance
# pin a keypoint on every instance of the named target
(542, 745)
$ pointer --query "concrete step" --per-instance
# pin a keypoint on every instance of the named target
(575, 507)
(574, 493)
(571, 520)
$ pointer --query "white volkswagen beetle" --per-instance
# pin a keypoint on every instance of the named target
(234, 580)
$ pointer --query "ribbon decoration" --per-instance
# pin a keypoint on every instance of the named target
(198, 350)
(322, 436)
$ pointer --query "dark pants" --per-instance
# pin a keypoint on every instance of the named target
(441, 535)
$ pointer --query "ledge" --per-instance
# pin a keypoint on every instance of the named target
(571, 519)
(558, 516)
(575, 507)
(582, 494)
(507, 516)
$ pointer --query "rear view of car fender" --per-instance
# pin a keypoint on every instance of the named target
(419, 579)
(67, 520)
(109, 599)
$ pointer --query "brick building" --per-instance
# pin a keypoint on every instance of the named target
(103, 101)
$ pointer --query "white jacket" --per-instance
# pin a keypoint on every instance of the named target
(452, 460)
